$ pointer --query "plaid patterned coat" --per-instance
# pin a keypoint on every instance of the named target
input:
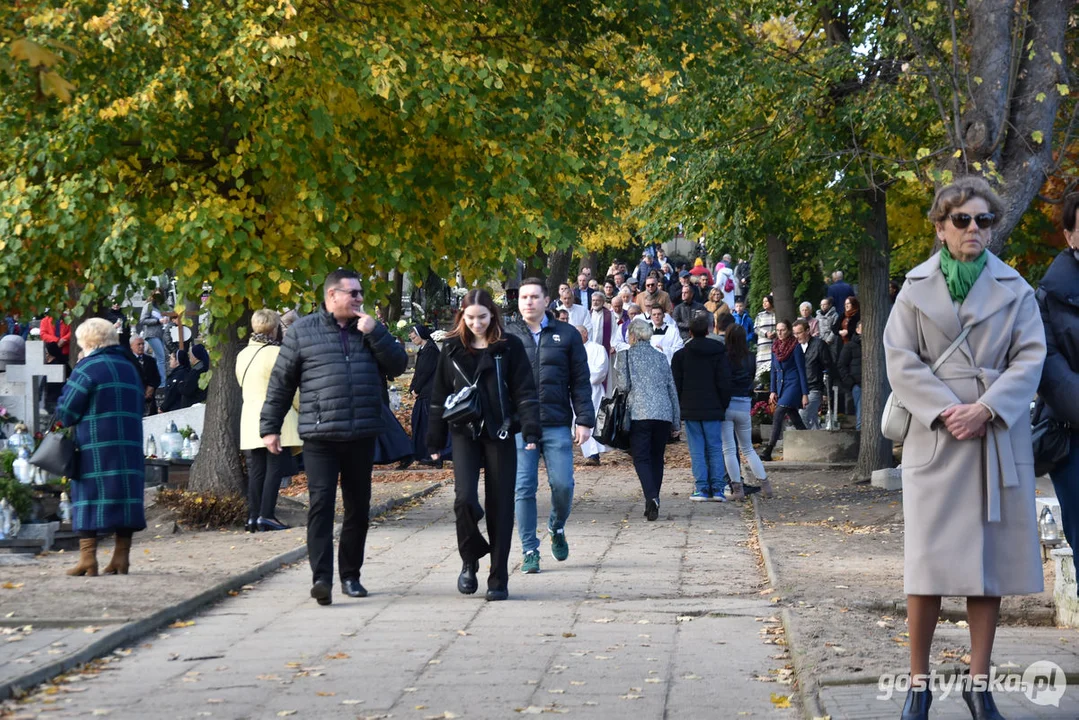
(103, 401)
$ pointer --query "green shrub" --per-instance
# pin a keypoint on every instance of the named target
(7, 462)
(204, 510)
(20, 496)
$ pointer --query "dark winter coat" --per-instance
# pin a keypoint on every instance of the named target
(850, 363)
(1058, 300)
(839, 292)
(818, 360)
(175, 383)
(789, 379)
(743, 375)
(103, 401)
(559, 371)
(683, 313)
(702, 376)
(192, 392)
(423, 376)
(522, 406)
(339, 373)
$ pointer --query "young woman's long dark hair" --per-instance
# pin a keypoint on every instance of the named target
(737, 347)
(478, 296)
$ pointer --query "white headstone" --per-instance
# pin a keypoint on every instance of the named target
(24, 382)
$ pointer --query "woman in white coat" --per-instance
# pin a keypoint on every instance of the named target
(264, 470)
(968, 467)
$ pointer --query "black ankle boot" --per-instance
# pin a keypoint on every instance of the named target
(466, 581)
(917, 705)
(981, 705)
(767, 454)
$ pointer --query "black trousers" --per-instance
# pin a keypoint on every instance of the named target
(264, 472)
(325, 462)
(783, 411)
(647, 443)
(498, 460)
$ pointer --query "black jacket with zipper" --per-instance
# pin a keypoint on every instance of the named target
(818, 357)
(518, 390)
(702, 375)
(1058, 300)
(339, 373)
(560, 373)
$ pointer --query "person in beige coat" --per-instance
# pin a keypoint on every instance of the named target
(264, 470)
(968, 468)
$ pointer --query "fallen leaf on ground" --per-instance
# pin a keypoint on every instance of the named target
(781, 701)
(338, 656)
(182, 624)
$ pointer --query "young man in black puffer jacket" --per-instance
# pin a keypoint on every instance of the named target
(337, 358)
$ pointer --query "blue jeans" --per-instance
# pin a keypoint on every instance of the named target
(158, 346)
(705, 440)
(557, 450)
(737, 424)
(811, 413)
(857, 393)
(1066, 483)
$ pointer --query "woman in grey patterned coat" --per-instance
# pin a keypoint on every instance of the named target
(653, 409)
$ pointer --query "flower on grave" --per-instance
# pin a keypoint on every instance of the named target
(402, 324)
(3, 411)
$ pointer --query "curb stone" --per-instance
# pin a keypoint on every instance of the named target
(131, 631)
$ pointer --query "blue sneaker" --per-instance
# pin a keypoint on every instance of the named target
(530, 563)
(718, 497)
(559, 546)
(699, 496)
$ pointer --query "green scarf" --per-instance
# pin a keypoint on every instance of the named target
(959, 275)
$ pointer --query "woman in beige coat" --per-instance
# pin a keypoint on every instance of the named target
(968, 468)
(264, 470)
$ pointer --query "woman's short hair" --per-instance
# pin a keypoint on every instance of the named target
(265, 321)
(96, 333)
(1071, 204)
(639, 330)
(805, 304)
(950, 197)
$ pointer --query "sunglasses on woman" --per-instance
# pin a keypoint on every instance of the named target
(982, 220)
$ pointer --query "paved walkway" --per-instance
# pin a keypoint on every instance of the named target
(657, 620)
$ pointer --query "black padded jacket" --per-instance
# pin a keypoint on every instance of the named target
(560, 370)
(339, 373)
(1058, 300)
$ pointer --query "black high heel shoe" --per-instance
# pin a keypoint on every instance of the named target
(251, 526)
(917, 705)
(981, 705)
(267, 524)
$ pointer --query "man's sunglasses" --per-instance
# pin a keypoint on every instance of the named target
(354, 293)
(982, 220)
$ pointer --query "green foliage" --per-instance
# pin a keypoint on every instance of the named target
(204, 510)
(7, 462)
(20, 496)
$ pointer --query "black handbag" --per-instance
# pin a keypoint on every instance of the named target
(464, 406)
(612, 419)
(56, 453)
(1051, 439)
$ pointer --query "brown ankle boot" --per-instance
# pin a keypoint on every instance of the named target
(87, 558)
(121, 557)
(737, 493)
(766, 488)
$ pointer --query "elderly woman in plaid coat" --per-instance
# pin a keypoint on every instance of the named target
(102, 400)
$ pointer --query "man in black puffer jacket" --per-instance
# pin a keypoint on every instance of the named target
(560, 368)
(337, 358)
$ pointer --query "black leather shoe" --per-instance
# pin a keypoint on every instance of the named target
(466, 581)
(321, 592)
(767, 454)
(917, 705)
(495, 595)
(251, 526)
(651, 510)
(352, 588)
(267, 524)
(981, 705)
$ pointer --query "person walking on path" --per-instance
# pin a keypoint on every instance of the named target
(765, 330)
(744, 319)
(790, 392)
(337, 358)
(599, 365)
(480, 353)
(805, 310)
(849, 369)
(818, 362)
(702, 377)
(423, 381)
(685, 311)
(559, 364)
(103, 402)
(254, 365)
(852, 313)
(968, 467)
(737, 423)
(839, 290)
(1059, 388)
(653, 409)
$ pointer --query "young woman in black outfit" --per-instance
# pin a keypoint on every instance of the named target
(479, 351)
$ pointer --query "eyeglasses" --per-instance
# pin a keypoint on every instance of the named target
(982, 220)
(354, 293)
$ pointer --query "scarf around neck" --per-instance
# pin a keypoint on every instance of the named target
(960, 276)
(783, 347)
(265, 339)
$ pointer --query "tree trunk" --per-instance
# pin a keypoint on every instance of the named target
(536, 266)
(779, 268)
(589, 260)
(217, 468)
(393, 306)
(875, 451)
(558, 267)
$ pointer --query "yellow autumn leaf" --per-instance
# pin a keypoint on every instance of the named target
(781, 701)
(53, 84)
(34, 54)
(284, 286)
